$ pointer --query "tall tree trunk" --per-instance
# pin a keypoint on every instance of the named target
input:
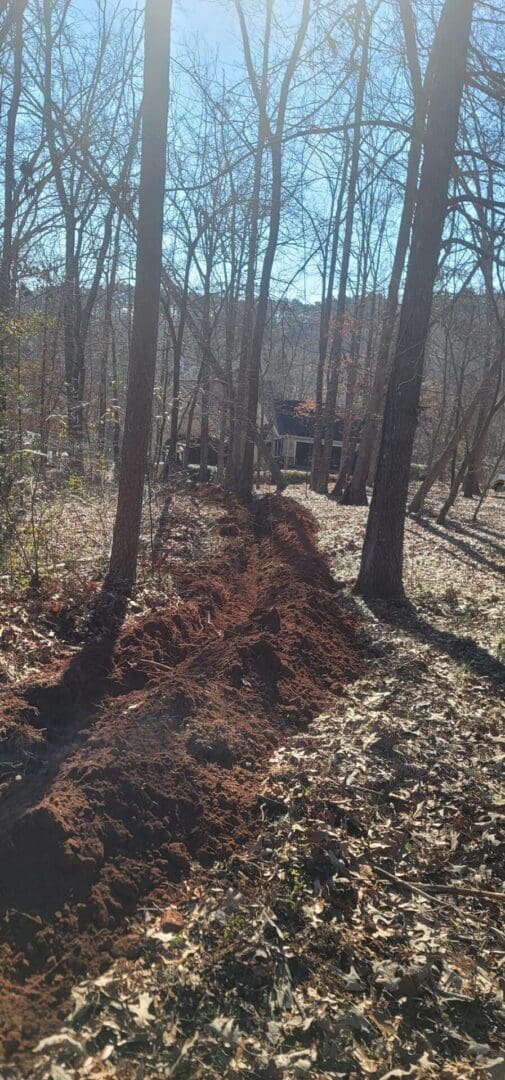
(205, 406)
(78, 300)
(441, 463)
(472, 482)
(366, 461)
(189, 422)
(74, 403)
(321, 466)
(490, 386)
(381, 572)
(43, 421)
(227, 384)
(102, 377)
(473, 452)
(489, 482)
(347, 450)
(137, 426)
(474, 449)
(481, 403)
(348, 443)
(245, 476)
(9, 206)
(162, 415)
(244, 479)
(175, 407)
(114, 406)
(9, 184)
(239, 419)
(177, 343)
(108, 330)
(324, 326)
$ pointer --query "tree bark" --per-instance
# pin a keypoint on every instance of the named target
(381, 572)
(489, 481)
(239, 420)
(125, 542)
(244, 477)
(472, 483)
(321, 465)
(205, 400)
(108, 330)
(473, 452)
(441, 463)
(366, 461)
(9, 207)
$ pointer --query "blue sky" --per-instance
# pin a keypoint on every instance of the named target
(214, 20)
(215, 24)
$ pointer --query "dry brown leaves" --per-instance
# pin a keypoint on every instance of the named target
(73, 534)
(362, 934)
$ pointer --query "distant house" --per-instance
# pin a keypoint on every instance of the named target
(290, 434)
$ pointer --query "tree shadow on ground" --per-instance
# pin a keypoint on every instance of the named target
(63, 709)
(477, 527)
(66, 704)
(451, 528)
(464, 650)
(471, 530)
(88, 678)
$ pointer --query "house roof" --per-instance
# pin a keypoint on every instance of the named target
(293, 417)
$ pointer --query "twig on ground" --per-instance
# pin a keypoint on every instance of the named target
(430, 891)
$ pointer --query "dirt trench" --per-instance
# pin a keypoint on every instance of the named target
(144, 757)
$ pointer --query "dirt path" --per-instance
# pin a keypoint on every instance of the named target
(361, 934)
(146, 753)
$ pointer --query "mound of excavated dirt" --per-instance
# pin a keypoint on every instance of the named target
(146, 753)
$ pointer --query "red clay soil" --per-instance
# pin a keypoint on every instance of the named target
(146, 753)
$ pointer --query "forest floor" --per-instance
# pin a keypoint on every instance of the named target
(345, 764)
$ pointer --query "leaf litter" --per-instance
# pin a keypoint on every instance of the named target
(143, 755)
(361, 933)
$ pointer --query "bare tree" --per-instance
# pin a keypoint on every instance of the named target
(271, 135)
(323, 436)
(137, 425)
(369, 441)
(381, 571)
(79, 199)
(15, 17)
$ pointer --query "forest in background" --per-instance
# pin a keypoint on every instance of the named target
(251, 735)
(291, 184)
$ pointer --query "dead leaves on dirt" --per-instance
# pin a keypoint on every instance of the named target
(362, 934)
(50, 623)
(321, 952)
